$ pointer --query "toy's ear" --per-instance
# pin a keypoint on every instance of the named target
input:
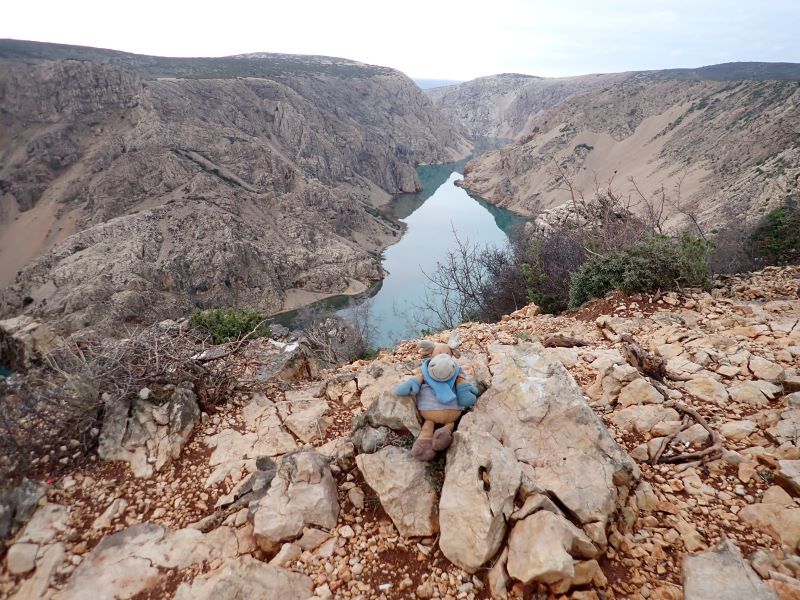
(455, 353)
(426, 347)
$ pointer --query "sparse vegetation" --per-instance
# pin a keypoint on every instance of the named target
(229, 324)
(53, 413)
(777, 238)
(655, 263)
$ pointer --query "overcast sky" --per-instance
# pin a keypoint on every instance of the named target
(432, 38)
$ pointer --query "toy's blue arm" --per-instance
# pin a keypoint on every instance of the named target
(409, 386)
(466, 394)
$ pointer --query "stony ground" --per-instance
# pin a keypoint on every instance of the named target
(732, 359)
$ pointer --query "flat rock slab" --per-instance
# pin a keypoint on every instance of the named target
(47, 522)
(245, 577)
(404, 489)
(137, 558)
(722, 573)
(265, 435)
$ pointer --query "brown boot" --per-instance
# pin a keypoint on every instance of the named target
(442, 438)
(422, 450)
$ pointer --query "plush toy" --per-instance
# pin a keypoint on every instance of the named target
(442, 393)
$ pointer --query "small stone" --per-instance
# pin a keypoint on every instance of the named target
(346, 531)
(707, 389)
(286, 554)
(21, 558)
(737, 430)
(356, 497)
(765, 369)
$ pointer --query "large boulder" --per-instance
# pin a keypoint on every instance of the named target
(246, 577)
(302, 493)
(531, 436)
(722, 573)
(145, 434)
(481, 481)
(536, 409)
(404, 489)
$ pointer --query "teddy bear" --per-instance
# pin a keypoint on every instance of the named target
(441, 393)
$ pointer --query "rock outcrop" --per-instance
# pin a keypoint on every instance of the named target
(246, 577)
(24, 341)
(148, 435)
(303, 493)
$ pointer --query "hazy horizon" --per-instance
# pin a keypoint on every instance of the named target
(457, 41)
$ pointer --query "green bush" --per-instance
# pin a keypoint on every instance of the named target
(777, 238)
(228, 324)
(654, 263)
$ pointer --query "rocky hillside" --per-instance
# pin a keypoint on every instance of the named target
(720, 141)
(505, 106)
(135, 188)
(655, 458)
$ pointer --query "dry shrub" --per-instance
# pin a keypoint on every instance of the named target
(52, 413)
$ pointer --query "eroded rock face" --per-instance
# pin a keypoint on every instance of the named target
(722, 573)
(246, 577)
(530, 433)
(148, 436)
(302, 493)
(273, 178)
(292, 363)
(404, 489)
(17, 505)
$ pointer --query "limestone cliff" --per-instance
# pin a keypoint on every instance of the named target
(135, 188)
(721, 141)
